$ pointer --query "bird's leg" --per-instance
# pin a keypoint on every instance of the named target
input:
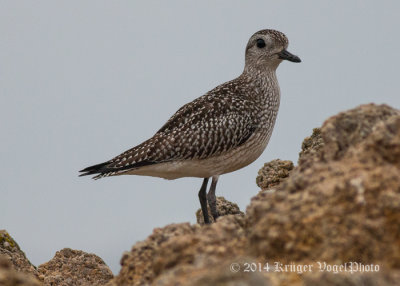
(212, 200)
(203, 200)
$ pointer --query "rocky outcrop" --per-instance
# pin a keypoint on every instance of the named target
(273, 173)
(9, 276)
(11, 251)
(173, 253)
(74, 267)
(348, 279)
(224, 208)
(345, 204)
(340, 205)
(311, 147)
(67, 268)
(337, 211)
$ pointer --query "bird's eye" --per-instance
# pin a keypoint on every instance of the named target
(260, 43)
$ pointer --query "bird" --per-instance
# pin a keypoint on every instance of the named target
(222, 131)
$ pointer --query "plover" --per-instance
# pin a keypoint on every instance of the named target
(220, 132)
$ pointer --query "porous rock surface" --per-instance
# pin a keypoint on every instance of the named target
(74, 267)
(178, 252)
(311, 146)
(224, 207)
(67, 268)
(340, 204)
(345, 205)
(273, 173)
(10, 276)
(10, 250)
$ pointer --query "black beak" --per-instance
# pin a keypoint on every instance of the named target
(285, 55)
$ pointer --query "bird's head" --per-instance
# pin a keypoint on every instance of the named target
(266, 49)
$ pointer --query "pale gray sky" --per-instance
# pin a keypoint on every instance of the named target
(82, 81)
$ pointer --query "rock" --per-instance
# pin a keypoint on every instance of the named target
(10, 249)
(346, 205)
(348, 129)
(138, 264)
(214, 274)
(9, 276)
(177, 250)
(74, 267)
(350, 279)
(311, 147)
(203, 249)
(272, 173)
(269, 176)
(224, 207)
(340, 204)
(68, 267)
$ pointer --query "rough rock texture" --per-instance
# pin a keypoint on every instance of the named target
(273, 173)
(74, 267)
(224, 208)
(9, 276)
(67, 268)
(10, 249)
(213, 274)
(346, 205)
(173, 253)
(340, 204)
(348, 129)
(311, 147)
(348, 279)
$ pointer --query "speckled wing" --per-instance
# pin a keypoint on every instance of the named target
(208, 126)
(205, 127)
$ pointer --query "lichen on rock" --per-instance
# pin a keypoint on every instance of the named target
(11, 251)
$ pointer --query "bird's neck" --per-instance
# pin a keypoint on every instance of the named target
(252, 71)
(262, 83)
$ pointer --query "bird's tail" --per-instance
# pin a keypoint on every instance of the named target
(95, 169)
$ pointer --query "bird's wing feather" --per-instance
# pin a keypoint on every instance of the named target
(207, 126)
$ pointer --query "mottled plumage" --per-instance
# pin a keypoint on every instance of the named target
(219, 132)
